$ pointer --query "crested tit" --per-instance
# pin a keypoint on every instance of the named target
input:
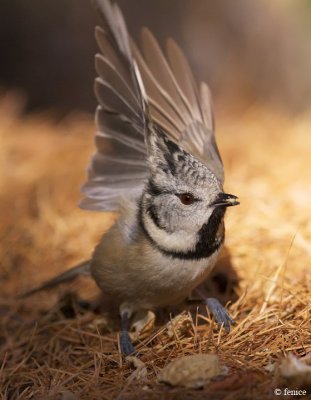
(158, 165)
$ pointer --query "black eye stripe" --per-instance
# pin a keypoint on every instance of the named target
(153, 212)
(153, 189)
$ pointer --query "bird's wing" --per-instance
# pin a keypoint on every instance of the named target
(175, 103)
(119, 166)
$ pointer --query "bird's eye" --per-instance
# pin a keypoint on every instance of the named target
(186, 198)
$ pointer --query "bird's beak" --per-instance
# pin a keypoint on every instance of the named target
(225, 200)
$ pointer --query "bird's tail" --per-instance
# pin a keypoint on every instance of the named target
(82, 268)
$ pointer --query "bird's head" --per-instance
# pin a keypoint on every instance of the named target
(182, 198)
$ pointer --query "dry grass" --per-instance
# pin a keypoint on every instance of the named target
(51, 348)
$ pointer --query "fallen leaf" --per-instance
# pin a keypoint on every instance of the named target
(142, 325)
(180, 326)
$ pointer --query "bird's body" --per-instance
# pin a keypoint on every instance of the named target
(126, 265)
(156, 150)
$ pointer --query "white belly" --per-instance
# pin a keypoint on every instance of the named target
(169, 280)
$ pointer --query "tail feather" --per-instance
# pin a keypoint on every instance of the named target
(82, 268)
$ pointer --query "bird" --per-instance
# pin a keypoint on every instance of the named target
(157, 164)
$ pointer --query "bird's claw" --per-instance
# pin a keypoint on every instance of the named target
(220, 313)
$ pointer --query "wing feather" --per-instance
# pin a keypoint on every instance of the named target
(134, 89)
(170, 83)
(160, 69)
(119, 164)
(158, 98)
(184, 77)
(110, 74)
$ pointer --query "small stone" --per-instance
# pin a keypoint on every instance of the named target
(194, 371)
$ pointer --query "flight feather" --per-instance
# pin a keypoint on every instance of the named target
(134, 90)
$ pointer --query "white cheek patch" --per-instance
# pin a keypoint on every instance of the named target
(180, 241)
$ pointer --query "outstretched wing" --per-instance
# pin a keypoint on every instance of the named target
(119, 166)
(175, 102)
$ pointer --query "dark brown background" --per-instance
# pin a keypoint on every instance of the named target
(248, 51)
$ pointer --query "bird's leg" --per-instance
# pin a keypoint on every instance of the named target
(220, 313)
(217, 309)
(126, 345)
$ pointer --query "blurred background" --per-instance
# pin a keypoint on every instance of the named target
(248, 51)
(255, 56)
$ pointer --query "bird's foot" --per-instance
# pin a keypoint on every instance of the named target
(126, 345)
(220, 313)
